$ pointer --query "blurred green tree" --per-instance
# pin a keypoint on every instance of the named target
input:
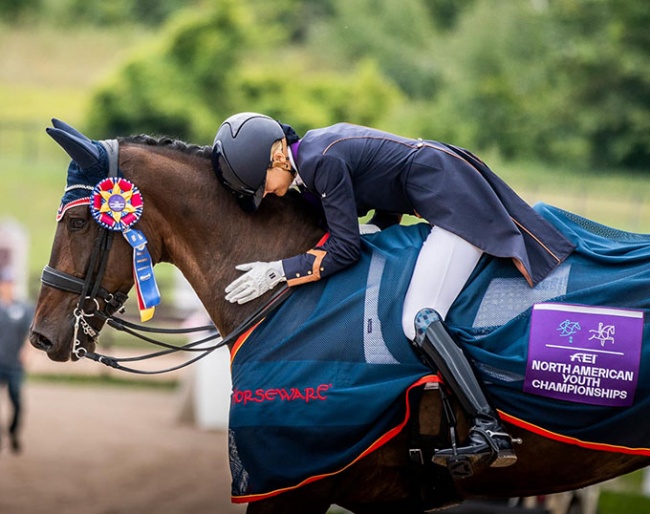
(561, 80)
(117, 12)
(605, 61)
(212, 63)
(179, 84)
(15, 10)
(398, 35)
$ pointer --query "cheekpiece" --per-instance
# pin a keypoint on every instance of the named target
(116, 204)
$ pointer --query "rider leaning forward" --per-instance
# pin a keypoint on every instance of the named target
(354, 169)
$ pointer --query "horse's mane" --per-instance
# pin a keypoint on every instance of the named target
(292, 198)
(169, 142)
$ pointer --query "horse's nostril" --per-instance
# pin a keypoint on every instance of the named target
(40, 342)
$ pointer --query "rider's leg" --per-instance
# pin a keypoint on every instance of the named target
(443, 266)
(488, 441)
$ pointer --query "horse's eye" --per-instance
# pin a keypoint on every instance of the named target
(76, 223)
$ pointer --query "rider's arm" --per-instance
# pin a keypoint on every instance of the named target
(333, 185)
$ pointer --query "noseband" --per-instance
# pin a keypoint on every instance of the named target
(89, 290)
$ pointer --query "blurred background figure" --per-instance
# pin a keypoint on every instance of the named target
(15, 318)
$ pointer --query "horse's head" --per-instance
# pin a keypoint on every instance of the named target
(83, 281)
(188, 219)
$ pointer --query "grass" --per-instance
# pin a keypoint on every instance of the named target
(612, 197)
(47, 71)
(103, 381)
(611, 502)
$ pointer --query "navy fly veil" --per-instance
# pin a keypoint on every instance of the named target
(323, 380)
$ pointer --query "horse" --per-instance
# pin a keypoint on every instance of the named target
(194, 223)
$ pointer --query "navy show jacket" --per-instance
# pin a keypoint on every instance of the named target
(354, 169)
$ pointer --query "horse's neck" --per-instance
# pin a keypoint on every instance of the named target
(227, 240)
(200, 229)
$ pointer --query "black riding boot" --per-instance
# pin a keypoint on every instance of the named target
(488, 441)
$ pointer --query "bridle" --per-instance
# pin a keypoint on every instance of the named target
(105, 304)
(89, 290)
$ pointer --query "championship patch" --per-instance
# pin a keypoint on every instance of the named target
(584, 354)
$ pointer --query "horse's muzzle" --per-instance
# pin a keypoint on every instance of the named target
(40, 342)
(56, 352)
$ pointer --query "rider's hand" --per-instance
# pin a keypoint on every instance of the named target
(259, 278)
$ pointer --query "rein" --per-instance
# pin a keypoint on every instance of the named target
(114, 302)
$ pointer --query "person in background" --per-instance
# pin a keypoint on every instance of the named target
(15, 319)
(351, 170)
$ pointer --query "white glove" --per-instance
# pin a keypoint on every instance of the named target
(260, 278)
(368, 228)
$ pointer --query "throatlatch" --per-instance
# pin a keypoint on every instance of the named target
(488, 442)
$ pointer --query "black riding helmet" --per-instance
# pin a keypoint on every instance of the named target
(241, 154)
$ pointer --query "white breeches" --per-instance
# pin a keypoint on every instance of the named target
(444, 264)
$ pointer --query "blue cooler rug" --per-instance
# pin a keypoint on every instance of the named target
(324, 380)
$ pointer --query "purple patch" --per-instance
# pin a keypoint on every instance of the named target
(584, 354)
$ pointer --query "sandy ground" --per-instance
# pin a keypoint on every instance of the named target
(110, 450)
(90, 449)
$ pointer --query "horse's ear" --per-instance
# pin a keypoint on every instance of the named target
(67, 128)
(80, 149)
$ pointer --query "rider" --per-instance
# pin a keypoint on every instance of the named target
(352, 169)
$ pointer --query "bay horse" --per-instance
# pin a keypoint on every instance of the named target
(193, 223)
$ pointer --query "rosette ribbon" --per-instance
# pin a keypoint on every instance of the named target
(145, 281)
(116, 204)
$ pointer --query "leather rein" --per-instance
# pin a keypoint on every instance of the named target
(93, 295)
(113, 302)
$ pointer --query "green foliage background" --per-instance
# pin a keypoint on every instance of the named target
(564, 81)
(210, 63)
(552, 93)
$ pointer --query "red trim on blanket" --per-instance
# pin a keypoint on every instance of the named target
(241, 340)
(572, 440)
(428, 379)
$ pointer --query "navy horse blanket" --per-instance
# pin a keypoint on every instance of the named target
(326, 379)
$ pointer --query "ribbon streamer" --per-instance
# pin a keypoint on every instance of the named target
(145, 282)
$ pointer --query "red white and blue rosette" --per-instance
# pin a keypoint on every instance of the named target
(116, 204)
